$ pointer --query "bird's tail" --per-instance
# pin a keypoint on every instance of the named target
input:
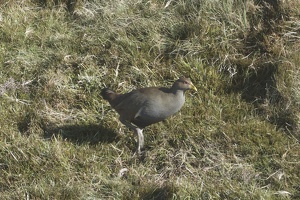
(108, 95)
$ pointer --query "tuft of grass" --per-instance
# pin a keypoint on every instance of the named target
(236, 138)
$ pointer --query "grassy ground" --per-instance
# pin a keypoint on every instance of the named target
(236, 138)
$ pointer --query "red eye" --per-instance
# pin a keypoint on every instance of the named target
(185, 82)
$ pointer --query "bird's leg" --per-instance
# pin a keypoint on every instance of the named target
(137, 131)
(127, 123)
(140, 135)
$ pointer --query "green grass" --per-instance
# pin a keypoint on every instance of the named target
(236, 138)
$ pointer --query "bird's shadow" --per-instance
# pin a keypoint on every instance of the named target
(82, 134)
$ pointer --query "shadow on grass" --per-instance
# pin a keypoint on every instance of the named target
(257, 84)
(259, 87)
(161, 193)
(80, 134)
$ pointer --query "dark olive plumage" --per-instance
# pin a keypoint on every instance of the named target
(143, 107)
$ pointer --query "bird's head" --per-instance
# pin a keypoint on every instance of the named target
(184, 84)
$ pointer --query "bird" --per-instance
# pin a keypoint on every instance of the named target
(145, 106)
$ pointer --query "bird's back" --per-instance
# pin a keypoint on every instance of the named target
(146, 106)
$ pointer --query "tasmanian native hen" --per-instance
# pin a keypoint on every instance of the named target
(143, 107)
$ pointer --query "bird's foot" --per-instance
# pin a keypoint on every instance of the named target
(139, 153)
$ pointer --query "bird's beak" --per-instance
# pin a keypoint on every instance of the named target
(192, 87)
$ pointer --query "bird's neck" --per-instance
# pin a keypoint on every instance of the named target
(177, 99)
(176, 91)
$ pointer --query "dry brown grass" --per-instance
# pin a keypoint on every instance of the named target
(236, 138)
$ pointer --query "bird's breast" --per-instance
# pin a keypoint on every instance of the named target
(162, 108)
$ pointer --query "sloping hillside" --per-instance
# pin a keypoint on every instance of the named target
(236, 138)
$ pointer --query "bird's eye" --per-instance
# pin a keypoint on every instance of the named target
(185, 82)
